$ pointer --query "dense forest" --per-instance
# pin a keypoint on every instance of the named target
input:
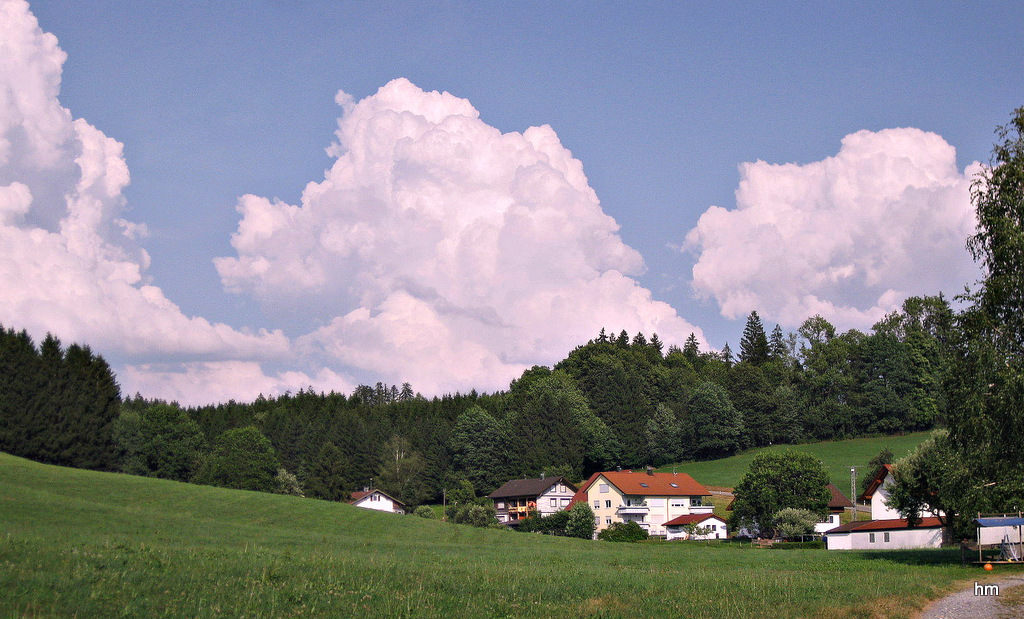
(617, 400)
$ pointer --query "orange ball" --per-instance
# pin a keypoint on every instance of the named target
(988, 566)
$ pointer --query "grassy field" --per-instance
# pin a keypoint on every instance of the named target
(837, 456)
(86, 544)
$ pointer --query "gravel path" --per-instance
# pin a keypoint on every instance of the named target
(965, 604)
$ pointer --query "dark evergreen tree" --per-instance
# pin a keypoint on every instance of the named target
(777, 345)
(325, 477)
(754, 343)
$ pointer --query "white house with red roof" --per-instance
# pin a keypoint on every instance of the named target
(378, 500)
(878, 492)
(887, 534)
(650, 499)
(886, 530)
(696, 527)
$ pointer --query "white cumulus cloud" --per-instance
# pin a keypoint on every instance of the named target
(440, 250)
(69, 262)
(848, 237)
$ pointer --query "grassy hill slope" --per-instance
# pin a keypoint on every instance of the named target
(837, 456)
(81, 543)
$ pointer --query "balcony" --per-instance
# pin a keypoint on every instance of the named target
(702, 509)
(632, 510)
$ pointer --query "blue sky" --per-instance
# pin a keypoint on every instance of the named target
(660, 103)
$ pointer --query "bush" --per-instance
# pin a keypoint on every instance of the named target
(551, 525)
(425, 511)
(288, 483)
(623, 532)
(791, 522)
(580, 522)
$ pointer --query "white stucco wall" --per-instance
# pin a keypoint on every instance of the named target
(378, 502)
(898, 539)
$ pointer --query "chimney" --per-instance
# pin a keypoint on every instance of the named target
(618, 468)
(650, 470)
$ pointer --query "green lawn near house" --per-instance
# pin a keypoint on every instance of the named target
(88, 544)
(837, 457)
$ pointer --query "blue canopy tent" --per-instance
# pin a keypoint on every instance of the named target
(1003, 526)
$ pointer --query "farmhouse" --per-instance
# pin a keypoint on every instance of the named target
(516, 498)
(650, 499)
(713, 526)
(888, 534)
(378, 500)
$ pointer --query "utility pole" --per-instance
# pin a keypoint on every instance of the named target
(853, 490)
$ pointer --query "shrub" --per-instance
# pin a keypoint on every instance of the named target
(623, 532)
(425, 511)
(288, 483)
(580, 522)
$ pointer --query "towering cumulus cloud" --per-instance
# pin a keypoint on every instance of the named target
(69, 262)
(442, 251)
(848, 237)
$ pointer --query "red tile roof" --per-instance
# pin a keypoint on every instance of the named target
(581, 494)
(885, 525)
(878, 480)
(692, 519)
(640, 483)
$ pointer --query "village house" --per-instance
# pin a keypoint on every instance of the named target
(886, 530)
(705, 526)
(378, 500)
(650, 499)
(515, 499)
(837, 503)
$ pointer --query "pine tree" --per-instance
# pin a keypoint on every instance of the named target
(777, 345)
(726, 355)
(754, 343)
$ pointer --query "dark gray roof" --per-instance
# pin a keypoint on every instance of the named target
(528, 487)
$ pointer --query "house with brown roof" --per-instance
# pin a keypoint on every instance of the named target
(515, 499)
(650, 499)
(837, 503)
(378, 500)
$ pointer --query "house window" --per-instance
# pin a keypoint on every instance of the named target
(561, 488)
(696, 501)
(871, 538)
(499, 505)
(643, 485)
(565, 502)
(714, 527)
(885, 536)
(603, 488)
(607, 520)
(677, 503)
(553, 502)
(656, 502)
(597, 520)
(607, 503)
(597, 504)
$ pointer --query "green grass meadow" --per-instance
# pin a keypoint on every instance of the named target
(837, 456)
(78, 543)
